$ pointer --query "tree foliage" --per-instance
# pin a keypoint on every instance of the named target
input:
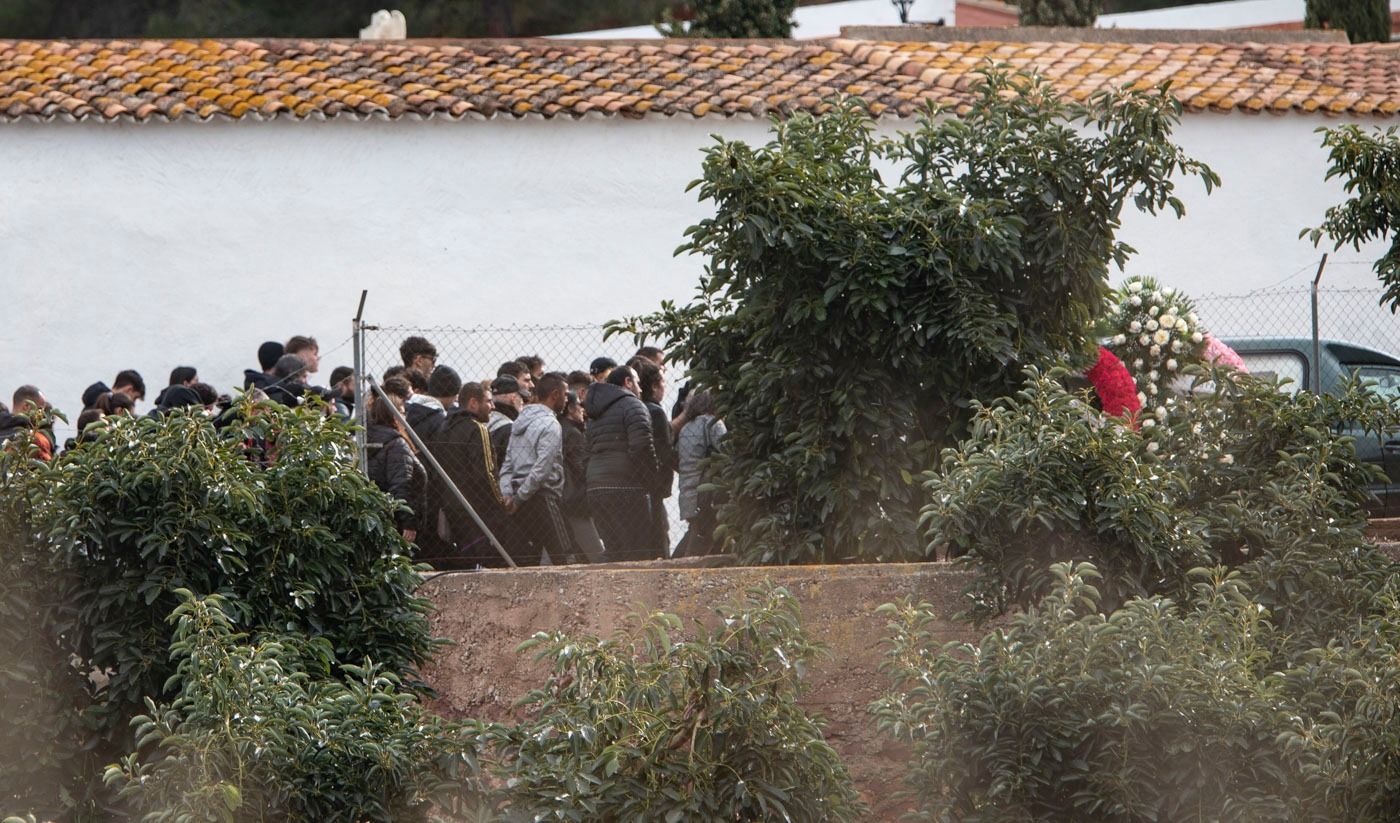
(643, 727)
(274, 18)
(1368, 163)
(1077, 13)
(254, 734)
(270, 514)
(1239, 470)
(845, 323)
(732, 18)
(1364, 21)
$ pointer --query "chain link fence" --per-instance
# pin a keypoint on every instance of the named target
(1280, 330)
(578, 526)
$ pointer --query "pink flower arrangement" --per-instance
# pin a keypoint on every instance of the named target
(1114, 385)
(1222, 355)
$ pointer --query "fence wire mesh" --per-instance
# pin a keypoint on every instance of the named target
(1273, 328)
(575, 526)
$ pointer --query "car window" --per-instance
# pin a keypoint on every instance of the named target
(1281, 364)
(1383, 381)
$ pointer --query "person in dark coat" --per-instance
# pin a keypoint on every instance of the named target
(268, 355)
(426, 414)
(576, 511)
(393, 465)
(463, 447)
(621, 466)
(651, 381)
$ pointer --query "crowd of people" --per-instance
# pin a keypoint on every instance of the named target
(573, 467)
(536, 465)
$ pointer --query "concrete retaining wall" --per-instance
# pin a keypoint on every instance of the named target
(488, 614)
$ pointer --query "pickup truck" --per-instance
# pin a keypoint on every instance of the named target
(1291, 357)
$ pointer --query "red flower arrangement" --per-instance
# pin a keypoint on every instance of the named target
(1115, 386)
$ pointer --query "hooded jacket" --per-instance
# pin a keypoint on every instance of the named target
(425, 415)
(535, 456)
(256, 379)
(94, 393)
(621, 452)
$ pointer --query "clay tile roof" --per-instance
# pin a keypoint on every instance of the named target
(161, 81)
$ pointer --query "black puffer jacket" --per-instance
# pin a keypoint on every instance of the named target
(395, 469)
(575, 468)
(621, 453)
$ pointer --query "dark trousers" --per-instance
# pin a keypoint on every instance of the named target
(660, 527)
(624, 521)
(538, 526)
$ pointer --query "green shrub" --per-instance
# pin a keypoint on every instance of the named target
(1155, 712)
(1364, 21)
(1078, 13)
(252, 736)
(1368, 164)
(270, 514)
(732, 18)
(643, 727)
(1237, 471)
(845, 322)
(43, 737)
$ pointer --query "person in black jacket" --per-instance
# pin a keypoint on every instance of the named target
(268, 355)
(621, 466)
(576, 511)
(393, 464)
(463, 447)
(651, 380)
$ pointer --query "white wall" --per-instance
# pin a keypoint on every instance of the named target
(153, 245)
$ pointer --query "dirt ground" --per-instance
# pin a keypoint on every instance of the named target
(488, 614)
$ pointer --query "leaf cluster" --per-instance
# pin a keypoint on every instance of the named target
(255, 733)
(1077, 13)
(846, 323)
(1161, 710)
(1240, 471)
(643, 726)
(732, 18)
(1368, 164)
(270, 514)
(1364, 21)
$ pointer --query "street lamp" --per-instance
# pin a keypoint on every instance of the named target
(903, 6)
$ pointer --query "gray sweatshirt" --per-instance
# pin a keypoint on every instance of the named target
(535, 456)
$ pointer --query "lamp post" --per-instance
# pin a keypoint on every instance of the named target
(903, 6)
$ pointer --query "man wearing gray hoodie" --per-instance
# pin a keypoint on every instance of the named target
(532, 477)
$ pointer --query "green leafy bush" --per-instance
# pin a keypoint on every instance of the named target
(1364, 21)
(271, 514)
(1238, 470)
(1078, 13)
(1368, 164)
(845, 323)
(1042, 478)
(732, 18)
(42, 733)
(645, 727)
(252, 735)
(1154, 712)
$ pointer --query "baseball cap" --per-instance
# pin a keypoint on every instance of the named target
(505, 384)
(601, 364)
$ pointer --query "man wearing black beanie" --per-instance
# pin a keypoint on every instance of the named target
(268, 355)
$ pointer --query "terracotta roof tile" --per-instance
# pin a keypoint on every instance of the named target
(168, 80)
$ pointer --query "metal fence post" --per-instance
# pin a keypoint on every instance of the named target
(357, 331)
(1316, 333)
